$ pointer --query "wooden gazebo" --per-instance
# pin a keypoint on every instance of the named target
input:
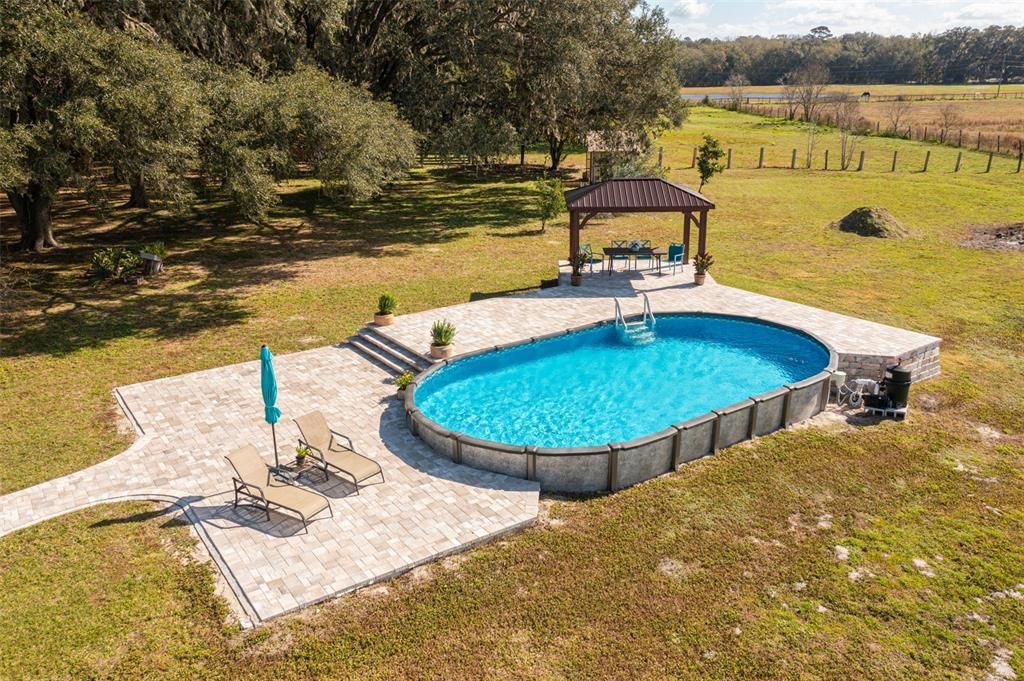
(638, 195)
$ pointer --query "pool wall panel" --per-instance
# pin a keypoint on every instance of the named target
(696, 438)
(644, 458)
(733, 423)
(492, 456)
(771, 410)
(805, 398)
(573, 470)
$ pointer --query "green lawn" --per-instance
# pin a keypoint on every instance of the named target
(727, 568)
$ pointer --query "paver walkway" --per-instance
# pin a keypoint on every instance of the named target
(428, 507)
(517, 317)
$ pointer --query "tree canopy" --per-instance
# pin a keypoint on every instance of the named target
(165, 96)
(958, 55)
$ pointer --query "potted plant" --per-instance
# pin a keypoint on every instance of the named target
(702, 262)
(404, 379)
(301, 452)
(577, 263)
(442, 334)
(386, 306)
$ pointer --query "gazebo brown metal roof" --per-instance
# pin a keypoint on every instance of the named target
(638, 195)
(647, 194)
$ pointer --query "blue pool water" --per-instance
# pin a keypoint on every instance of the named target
(592, 388)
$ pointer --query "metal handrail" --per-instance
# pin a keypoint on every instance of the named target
(619, 319)
(648, 312)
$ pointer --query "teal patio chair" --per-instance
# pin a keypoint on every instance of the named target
(676, 256)
(588, 253)
(612, 259)
(644, 243)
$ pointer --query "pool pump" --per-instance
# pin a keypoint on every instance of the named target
(889, 397)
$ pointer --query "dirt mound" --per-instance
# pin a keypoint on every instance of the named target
(1008, 237)
(873, 221)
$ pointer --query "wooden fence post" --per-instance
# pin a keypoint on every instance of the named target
(959, 157)
(876, 127)
(893, 161)
(1020, 160)
(728, 159)
(693, 163)
(792, 161)
(978, 148)
(999, 139)
(826, 159)
(960, 139)
(760, 159)
(924, 137)
(661, 155)
(860, 164)
(989, 166)
(927, 157)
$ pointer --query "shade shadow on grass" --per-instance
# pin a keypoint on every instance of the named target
(228, 256)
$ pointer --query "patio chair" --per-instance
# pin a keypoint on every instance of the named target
(254, 481)
(331, 449)
(613, 258)
(676, 256)
(644, 243)
(588, 252)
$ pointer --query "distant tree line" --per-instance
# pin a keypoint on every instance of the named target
(959, 55)
(182, 98)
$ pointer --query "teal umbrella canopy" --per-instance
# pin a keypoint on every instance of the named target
(268, 382)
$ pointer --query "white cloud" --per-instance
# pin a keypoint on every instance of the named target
(767, 17)
(689, 9)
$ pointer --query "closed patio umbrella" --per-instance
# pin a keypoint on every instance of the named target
(268, 383)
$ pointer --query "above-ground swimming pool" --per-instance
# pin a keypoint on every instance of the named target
(592, 388)
(588, 410)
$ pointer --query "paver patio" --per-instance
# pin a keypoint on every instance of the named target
(429, 506)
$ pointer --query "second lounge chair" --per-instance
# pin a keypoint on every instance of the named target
(331, 449)
(254, 481)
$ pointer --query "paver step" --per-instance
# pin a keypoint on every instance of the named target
(398, 352)
(373, 355)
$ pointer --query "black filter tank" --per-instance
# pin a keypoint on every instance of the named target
(897, 386)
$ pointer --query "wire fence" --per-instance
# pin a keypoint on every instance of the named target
(949, 135)
(825, 158)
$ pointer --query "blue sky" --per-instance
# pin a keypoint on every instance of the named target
(730, 18)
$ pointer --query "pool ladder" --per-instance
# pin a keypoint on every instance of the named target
(640, 332)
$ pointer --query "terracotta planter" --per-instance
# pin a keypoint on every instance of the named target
(576, 279)
(442, 351)
(698, 279)
(383, 319)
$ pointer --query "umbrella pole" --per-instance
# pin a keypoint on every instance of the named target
(273, 434)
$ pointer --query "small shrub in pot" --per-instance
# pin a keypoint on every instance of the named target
(386, 306)
(442, 338)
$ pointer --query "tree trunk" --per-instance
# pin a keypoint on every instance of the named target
(522, 154)
(555, 147)
(33, 211)
(139, 197)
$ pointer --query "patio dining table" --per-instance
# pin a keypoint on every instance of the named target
(619, 251)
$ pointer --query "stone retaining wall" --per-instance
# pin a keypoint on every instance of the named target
(617, 465)
(922, 362)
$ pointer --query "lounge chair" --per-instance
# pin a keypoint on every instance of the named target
(253, 480)
(331, 449)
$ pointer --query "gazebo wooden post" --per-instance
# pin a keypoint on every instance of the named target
(574, 235)
(703, 227)
(686, 235)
